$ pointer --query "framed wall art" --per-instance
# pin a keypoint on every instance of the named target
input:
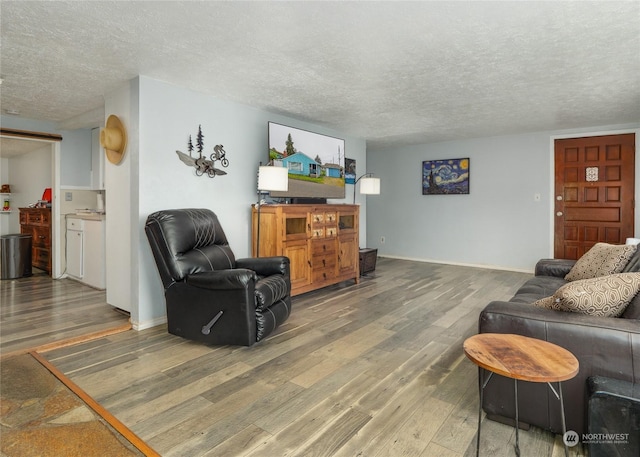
(445, 177)
(349, 171)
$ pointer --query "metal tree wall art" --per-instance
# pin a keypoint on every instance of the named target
(203, 165)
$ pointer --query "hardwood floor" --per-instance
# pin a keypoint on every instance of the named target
(374, 369)
(37, 311)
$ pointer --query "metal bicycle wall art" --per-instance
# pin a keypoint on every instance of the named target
(445, 177)
(203, 165)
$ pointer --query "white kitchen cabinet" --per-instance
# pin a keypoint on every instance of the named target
(75, 248)
(86, 251)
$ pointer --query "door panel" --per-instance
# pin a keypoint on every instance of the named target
(594, 189)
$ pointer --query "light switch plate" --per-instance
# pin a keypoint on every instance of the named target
(68, 196)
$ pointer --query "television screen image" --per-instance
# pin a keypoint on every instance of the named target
(315, 162)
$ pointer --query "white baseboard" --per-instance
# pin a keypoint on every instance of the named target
(148, 324)
(459, 264)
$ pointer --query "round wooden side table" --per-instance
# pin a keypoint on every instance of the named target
(520, 358)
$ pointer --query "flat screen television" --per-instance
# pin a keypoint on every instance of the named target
(315, 163)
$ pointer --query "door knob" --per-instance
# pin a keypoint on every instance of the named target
(559, 213)
(559, 198)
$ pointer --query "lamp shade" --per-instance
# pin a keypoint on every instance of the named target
(46, 195)
(273, 178)
(370, 186)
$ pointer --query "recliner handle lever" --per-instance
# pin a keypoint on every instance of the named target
(207, 328)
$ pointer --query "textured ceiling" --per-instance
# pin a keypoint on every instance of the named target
(11, 147)
(394, 73)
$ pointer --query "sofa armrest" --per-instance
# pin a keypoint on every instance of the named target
(237, 278)
(554, 267)
(266, 266)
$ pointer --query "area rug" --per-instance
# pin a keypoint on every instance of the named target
(43, 413)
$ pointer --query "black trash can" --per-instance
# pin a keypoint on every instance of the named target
(15, 256)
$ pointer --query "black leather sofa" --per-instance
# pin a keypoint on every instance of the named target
(604, 346)
(211, 296)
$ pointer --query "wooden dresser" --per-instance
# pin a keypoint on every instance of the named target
(37, 223)
(321, 242)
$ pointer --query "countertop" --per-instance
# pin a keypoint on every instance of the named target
(87, 216)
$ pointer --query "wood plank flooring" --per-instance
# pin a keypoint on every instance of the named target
(374, 369)
(38, 311)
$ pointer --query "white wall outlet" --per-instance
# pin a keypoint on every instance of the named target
(382, 240)
(68, 196)
(536, 197)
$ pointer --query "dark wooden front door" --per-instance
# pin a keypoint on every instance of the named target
(594, 192)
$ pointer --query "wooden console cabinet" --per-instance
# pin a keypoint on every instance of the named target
(37, 223)
(321, 242)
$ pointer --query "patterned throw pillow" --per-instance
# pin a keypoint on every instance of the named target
(606, 296)
(602, 259)
(548, 303)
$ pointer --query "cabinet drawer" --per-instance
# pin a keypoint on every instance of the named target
(37, 217)
(323, 261)
(41, 237)
(33, 218)
(323, 274)
(324, 232)
(75, 224)
(40, 258)
(331, 231)
(321, 247)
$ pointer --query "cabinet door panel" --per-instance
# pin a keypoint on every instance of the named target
(74, 253)
(347, 254)
(296, 226)
(298, 253)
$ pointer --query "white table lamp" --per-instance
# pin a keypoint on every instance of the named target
(368, 185)
(270, 178)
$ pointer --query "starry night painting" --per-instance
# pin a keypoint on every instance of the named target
(445, 177)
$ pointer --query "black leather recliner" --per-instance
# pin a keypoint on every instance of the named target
(210, 295)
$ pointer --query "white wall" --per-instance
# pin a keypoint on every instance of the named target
(154, 178)
(121, 209)
(497, 225)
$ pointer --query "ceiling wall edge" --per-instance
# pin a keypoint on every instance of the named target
(88, 120)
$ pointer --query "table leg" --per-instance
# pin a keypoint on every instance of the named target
(564, 425)
(515, 388)
(480, 389)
